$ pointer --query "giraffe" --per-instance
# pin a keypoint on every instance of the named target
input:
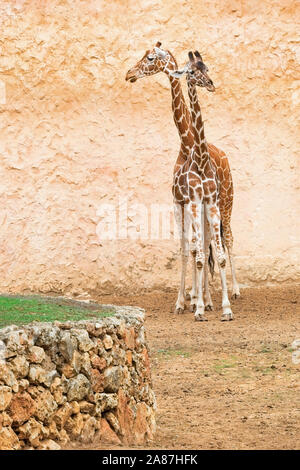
(198, 185)
(159, 60)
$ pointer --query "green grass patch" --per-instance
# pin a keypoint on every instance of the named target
(24, 310)
(169, 353)
(219, 366)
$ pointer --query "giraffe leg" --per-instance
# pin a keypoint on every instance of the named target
(207, 239)
(197, 214)
(228, 238)
(194, 291)
(213, 216)
(183, 226)
(235, 286)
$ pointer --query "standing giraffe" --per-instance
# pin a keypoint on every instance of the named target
(197, 182)
(159, 60)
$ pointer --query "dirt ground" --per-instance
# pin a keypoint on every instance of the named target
(225, 385)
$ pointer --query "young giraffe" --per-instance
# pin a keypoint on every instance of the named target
(200, 187)
(159, 60)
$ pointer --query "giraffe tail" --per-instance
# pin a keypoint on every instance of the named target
(222, 235)
(211, 261)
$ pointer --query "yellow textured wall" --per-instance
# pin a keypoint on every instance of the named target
(75, 135)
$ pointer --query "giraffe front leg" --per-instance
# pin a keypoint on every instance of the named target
(183, 227)
(213, 216)
(197, 213)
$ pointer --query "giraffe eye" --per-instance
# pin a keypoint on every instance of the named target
(149, 57)
(192, 72)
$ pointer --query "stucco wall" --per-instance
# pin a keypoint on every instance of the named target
(74, 135)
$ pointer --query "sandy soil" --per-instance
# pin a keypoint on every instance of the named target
(224, 385)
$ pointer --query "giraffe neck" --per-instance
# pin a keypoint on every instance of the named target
(181, 113)
(200, 154)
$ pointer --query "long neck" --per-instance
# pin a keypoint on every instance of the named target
(181, 113)
(201, 154)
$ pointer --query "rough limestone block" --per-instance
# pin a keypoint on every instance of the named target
(87, 381)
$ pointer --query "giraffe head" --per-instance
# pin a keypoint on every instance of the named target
(196, 72)
(152, 62)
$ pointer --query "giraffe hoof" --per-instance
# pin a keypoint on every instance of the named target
(227, 316)
(179, 311)
(200, 317)
(208, 308)
(235, 296)
(193, 307)
(187, 296)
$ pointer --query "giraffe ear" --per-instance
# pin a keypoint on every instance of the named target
(191, 56)
(161, 54)
(198, 55)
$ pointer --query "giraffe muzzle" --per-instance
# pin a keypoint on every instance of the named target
(130, 76)
(211, 87)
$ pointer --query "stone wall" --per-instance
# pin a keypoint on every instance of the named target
(86, 381)
(75, 135)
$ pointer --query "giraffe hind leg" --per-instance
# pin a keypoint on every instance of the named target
(194, 291)
(227, 237)
(235, 286)
(187, 296)
(197, 212)
(213, 216)
(208, 304)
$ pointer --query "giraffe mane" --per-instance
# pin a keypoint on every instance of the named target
(172, 57)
